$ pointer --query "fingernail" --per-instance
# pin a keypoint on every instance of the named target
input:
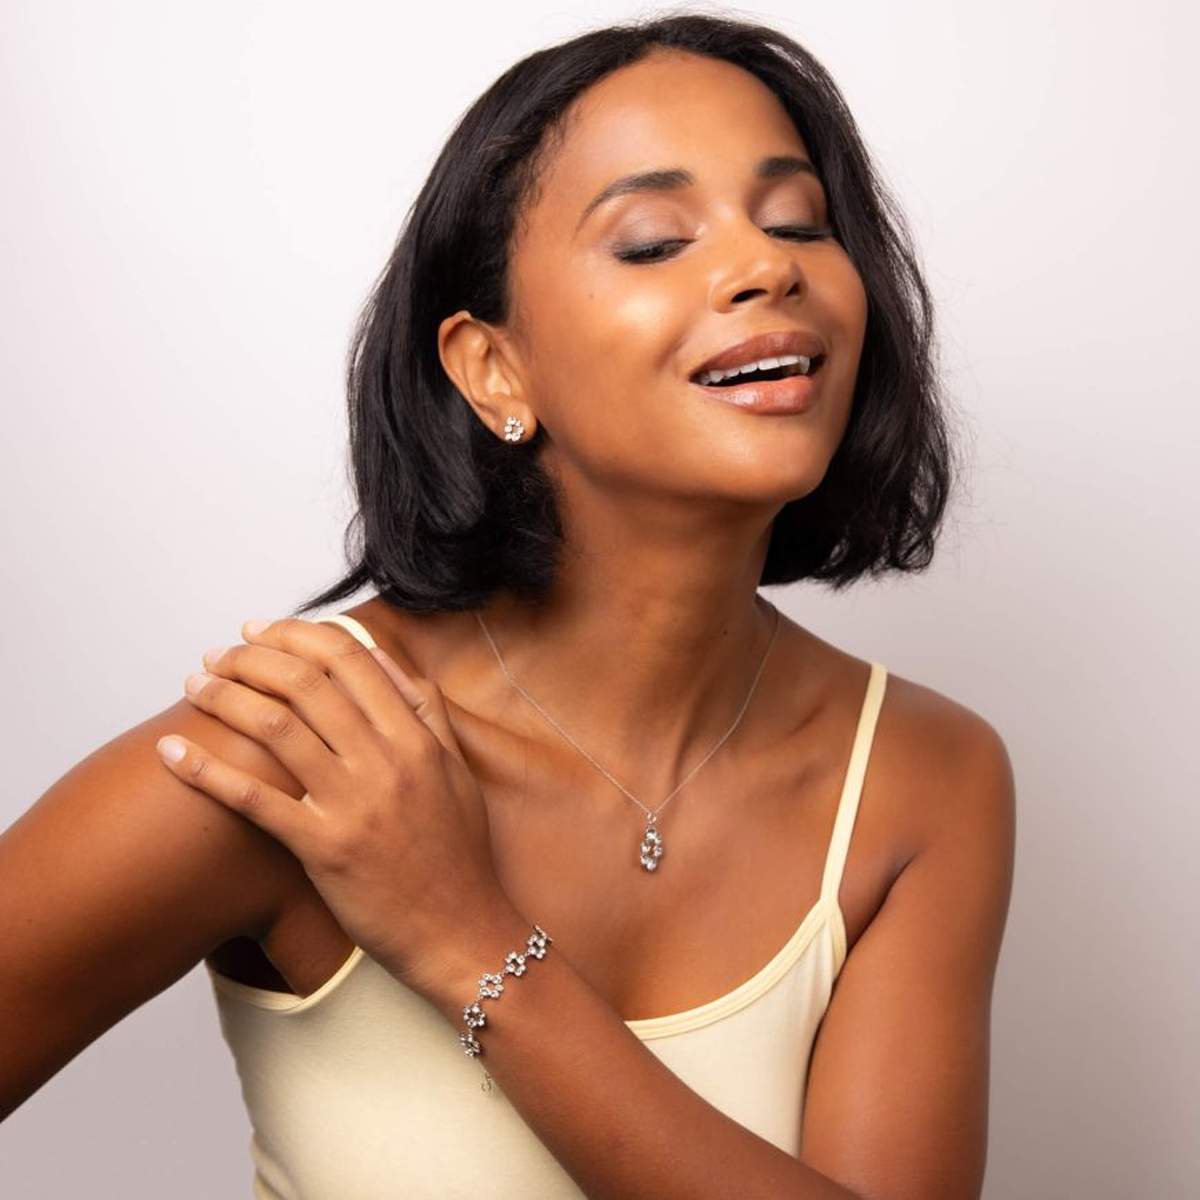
(195, 682)
(212, 657)
(171, 748)
(255, 626)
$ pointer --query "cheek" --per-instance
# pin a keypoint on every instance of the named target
(631, 326)
(610, 340)
(848, 303)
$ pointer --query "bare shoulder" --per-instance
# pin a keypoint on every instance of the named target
(417, 641)
(935, 762)
(117, 881)
(941, 763)
(119, 820)
(910, 1012)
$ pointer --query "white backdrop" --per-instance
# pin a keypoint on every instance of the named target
(195, 200)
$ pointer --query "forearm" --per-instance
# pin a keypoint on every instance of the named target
(620, 1122)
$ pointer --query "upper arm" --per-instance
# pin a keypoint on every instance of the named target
(115, 883)
(897, 1098)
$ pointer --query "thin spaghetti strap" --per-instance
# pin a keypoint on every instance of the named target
(355, 627)
(860, 752)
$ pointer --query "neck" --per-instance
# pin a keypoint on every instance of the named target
(644, 655)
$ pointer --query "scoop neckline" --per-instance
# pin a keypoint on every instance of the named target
(825, 910)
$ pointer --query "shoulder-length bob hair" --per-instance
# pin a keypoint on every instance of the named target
(448, 513)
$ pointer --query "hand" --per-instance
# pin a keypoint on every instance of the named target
(393, 828)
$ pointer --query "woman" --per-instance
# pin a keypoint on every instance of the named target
(571, 804)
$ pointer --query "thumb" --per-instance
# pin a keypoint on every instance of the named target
(425, 698)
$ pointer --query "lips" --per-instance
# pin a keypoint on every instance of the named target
(764, 345)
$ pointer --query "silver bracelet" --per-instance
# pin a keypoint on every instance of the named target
(490, 987)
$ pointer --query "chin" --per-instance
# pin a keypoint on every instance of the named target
(788, 468)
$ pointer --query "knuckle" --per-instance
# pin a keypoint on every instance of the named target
(233, 655)
(282, 630)
(250, 795)
(305, 678)
(338, 853)
(277, 723)
(348, 646)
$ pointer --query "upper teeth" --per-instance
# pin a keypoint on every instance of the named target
(760, 364)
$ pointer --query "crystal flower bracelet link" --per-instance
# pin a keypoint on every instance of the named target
(490, 987)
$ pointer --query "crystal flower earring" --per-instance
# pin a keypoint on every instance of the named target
(513, 430)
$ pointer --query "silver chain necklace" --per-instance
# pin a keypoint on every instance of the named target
(652, 842)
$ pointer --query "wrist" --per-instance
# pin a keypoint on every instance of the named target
(477, 946)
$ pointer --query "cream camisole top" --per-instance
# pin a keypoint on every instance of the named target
(361, 1090)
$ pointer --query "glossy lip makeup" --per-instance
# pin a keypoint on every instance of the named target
(793, 394)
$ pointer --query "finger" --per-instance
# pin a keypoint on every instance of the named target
(426, 700)
(271, 723)
(310, 693)
(404, 683)
(286, 819)
(348, 661)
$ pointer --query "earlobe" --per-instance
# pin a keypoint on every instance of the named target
(516, 420)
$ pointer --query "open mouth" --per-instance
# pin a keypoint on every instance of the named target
(768, 375)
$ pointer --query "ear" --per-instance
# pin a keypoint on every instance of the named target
(482, 365)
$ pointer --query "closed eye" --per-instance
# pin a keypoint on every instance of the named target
(656, 251)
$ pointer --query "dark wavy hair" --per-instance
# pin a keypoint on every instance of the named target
(448, 513)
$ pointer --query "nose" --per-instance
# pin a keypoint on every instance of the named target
(756, 265)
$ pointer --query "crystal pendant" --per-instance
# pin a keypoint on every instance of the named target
(652, 845)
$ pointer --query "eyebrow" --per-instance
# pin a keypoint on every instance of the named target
(775, 166)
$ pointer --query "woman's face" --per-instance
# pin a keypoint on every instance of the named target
(607, 346)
